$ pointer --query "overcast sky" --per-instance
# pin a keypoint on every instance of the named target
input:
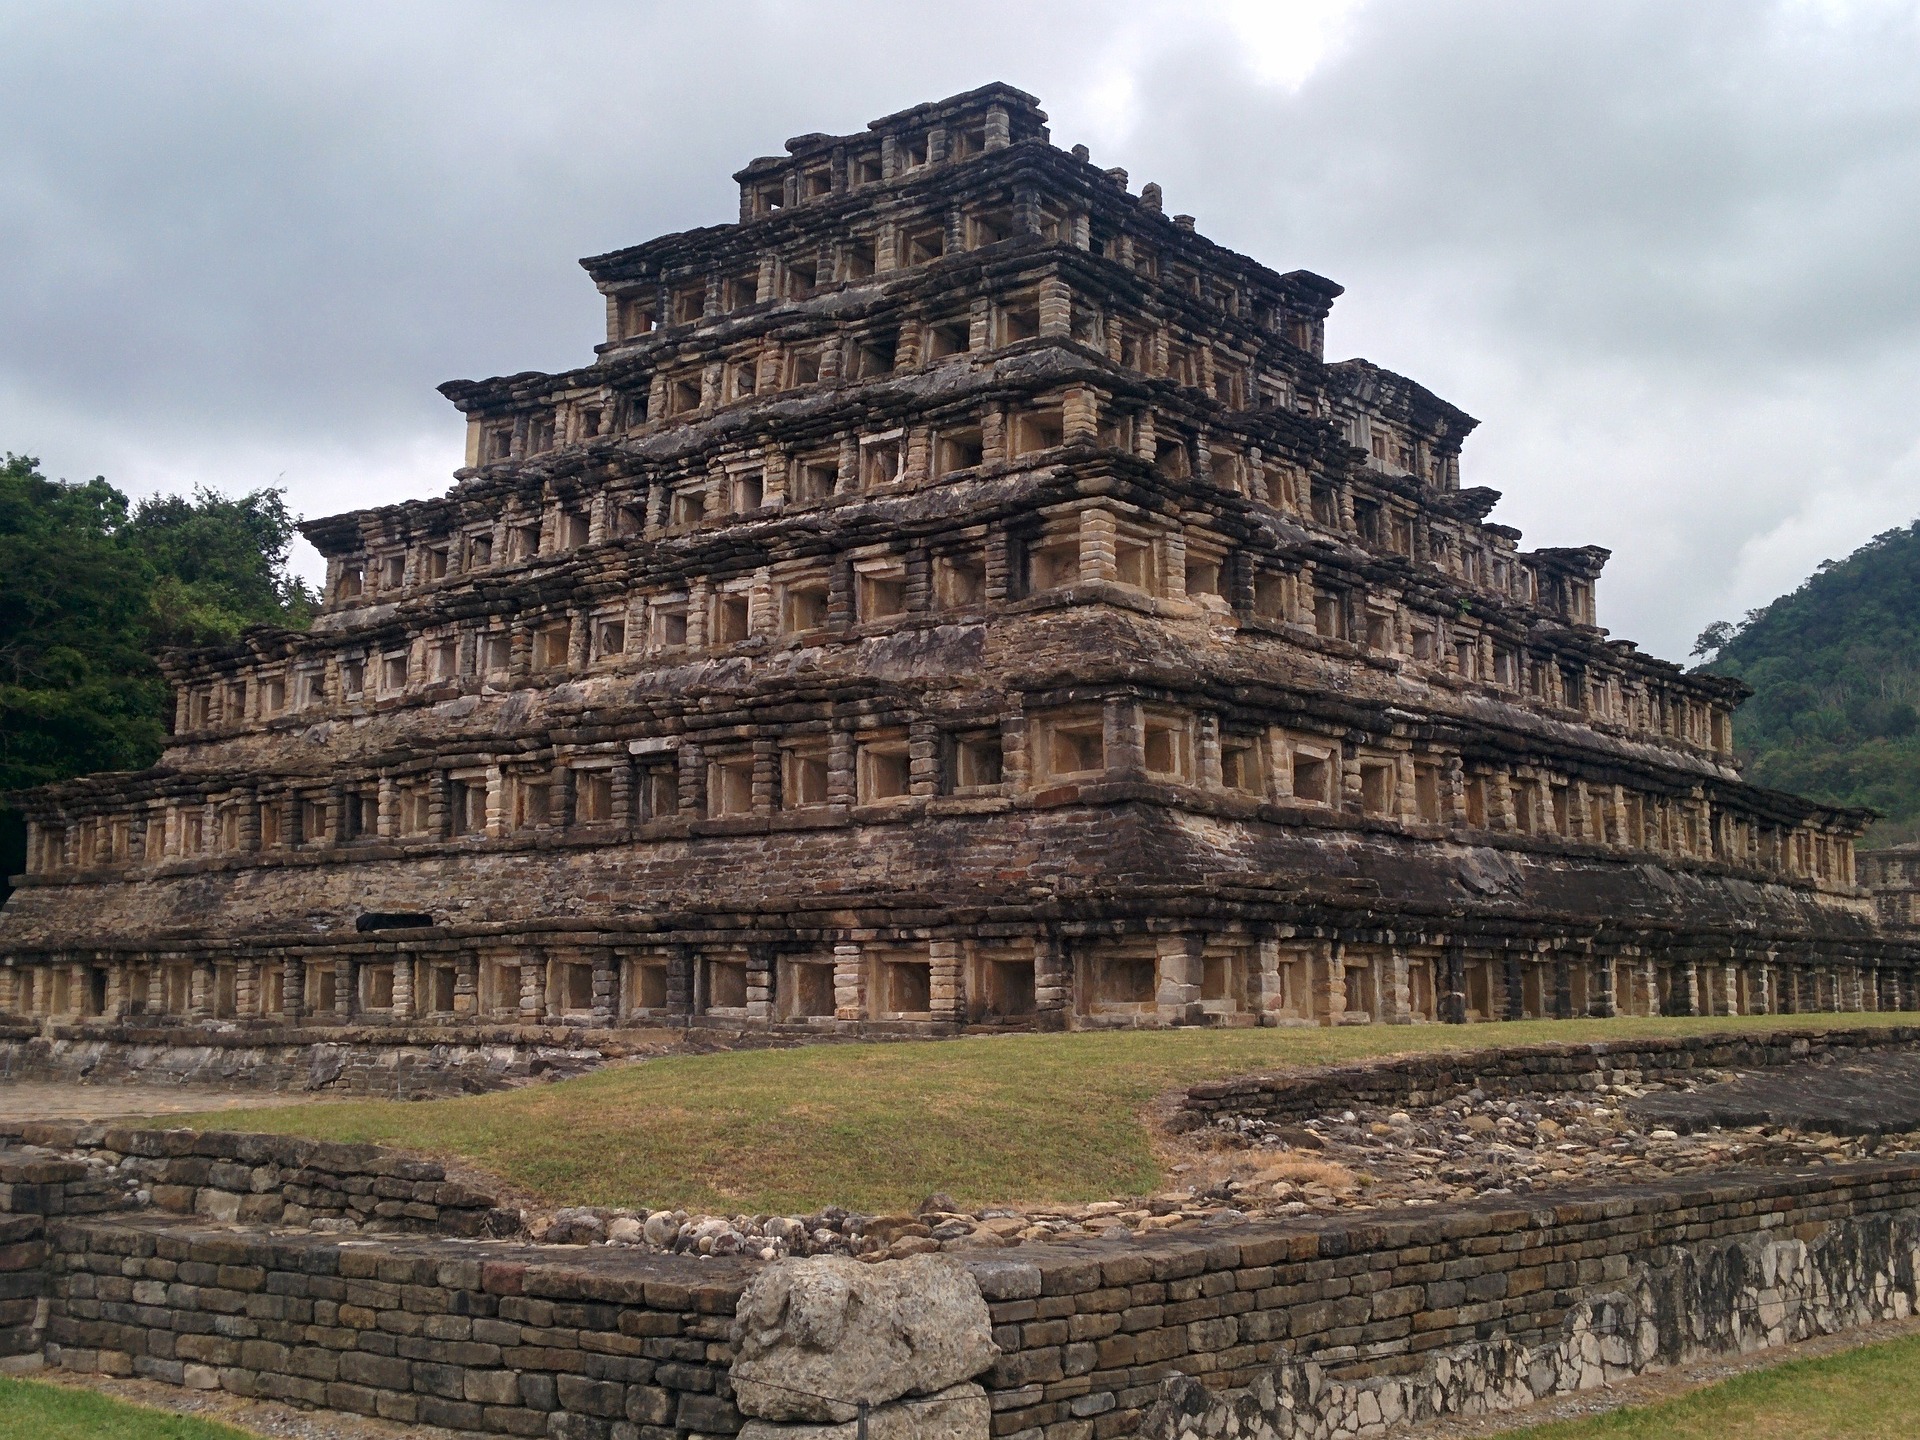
(1669, 254)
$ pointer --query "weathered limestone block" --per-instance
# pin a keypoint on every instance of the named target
(815, 1337)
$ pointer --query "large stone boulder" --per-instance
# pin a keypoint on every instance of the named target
(814, 1338)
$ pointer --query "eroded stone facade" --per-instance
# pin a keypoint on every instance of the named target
(1892, 878)
(957, 593)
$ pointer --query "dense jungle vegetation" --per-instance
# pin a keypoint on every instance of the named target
(92, 588)
(1835, 669)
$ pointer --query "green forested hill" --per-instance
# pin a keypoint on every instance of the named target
(1835, 668)
(92, 587)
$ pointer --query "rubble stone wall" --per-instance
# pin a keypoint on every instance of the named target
(23, 1254)
(1748, 1293)
(1518, 1070)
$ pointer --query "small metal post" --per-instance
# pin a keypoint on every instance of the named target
(860, 1428)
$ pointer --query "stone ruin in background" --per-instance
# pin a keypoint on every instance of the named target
(957, 594)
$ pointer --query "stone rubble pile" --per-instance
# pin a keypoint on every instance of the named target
(1479, 1145)
(937, 1225)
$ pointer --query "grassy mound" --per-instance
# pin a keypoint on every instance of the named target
(1018, 1118)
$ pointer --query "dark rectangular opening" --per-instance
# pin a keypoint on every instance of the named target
(1009, 987)
(953, 337)
(873, 358)
(809, 990)
(726, 984)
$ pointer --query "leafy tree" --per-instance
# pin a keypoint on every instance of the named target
(1835, 668)
(77, 690)
(91, 590)
(1712, 639)
(218, 564)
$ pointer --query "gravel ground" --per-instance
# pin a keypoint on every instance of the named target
(1480, 1145)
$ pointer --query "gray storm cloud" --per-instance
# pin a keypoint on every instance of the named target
(1666, 253)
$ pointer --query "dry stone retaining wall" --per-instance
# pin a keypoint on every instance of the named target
(1428, 1079)
(31, 1187)
(1753, 1292)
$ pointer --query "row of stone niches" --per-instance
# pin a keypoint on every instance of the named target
(671, 780)
(1187, 978)
(1165, 567)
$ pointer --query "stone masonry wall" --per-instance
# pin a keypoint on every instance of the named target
(1526, 1069)
(1750, 1293)
(35, 1188)
(1280, 1329)
(266, 1180)
(391, 1062)
(498, 1340)
(1090, 1335)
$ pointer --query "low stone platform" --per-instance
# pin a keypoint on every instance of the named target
(269, 1267)
(395, 1062)
(1278, 1331)
(1866, 1093)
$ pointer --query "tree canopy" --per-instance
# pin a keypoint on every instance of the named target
(1835, 669)
(92, 588)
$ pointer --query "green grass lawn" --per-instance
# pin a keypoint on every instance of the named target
(1868, 1394)
(33, 1411)
(879, 1126)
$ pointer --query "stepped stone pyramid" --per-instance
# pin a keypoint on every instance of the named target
(956, 594)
